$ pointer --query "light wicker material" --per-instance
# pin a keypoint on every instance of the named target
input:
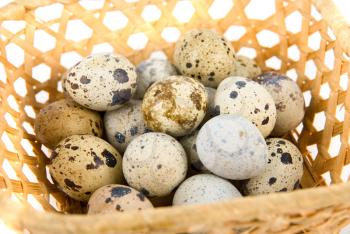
(318, 210)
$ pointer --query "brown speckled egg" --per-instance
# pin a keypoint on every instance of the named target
(64, 118)
(283, 172)
(204, 55)
(175, 106)
(150, 71)
(189, 144)
(239, 95)
(124, 124)
(102, 81)
(80, 164)
(154, 163)
(289, 101)
(204, 188)
(245, 67)
(116, 197)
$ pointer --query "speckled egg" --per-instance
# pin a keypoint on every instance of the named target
(154, 163)
(283, 172)
(289, 101)
(150, 71)
(102, 81)
(239, 95)
(230, 146)
(189, 144)
(211, 104)
(80, 164)
(116, 197)
(124, 124)
(204, 55)
(64, 118)
(245, 67)
(175, 106)
(204, 188)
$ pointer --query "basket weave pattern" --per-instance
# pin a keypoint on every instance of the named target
(316, 55)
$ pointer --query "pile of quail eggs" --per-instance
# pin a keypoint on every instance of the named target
(207, 128)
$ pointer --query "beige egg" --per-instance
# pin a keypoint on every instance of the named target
(80, 164)
(204, 55)
(189, 144)
(64, 118)
(175, 106)
(239, 95)
(204, 188)
(124, 124)
(150, 71)
(245, 67)
(283, 172)
(154, 163)
(290, 104)
(116, 197)
(102, 81)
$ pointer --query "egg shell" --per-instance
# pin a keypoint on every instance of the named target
(116, 197)
(80, 164)
(154, 163)
(102, 81)
(230, 146)
(124, 124)
(64, 118)
(205, 55)
(239, 95)
(189, 144)
(204, 188)
(211, 104)
(245, 67)
(289, 101)
(283, 172)
(150, 71)
(175, 106)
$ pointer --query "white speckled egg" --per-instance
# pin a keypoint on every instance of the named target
(154, 163)
(116, 197)
(211, 104)
(245, 67)
(80, 164)
(102, 81)
(204, 188)
(124, 124)
(150, 71)
(189, 144)
(289, 101)
(175, 106)
(230, 146)
(205, 55)
(283, 172)
(239, 95)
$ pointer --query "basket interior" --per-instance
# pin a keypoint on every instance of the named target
(292, 37)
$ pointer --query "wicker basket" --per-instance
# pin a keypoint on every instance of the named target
(316, 54)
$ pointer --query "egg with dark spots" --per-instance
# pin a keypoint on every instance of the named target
(155, 163)
(204, 55)
(245, 67)
(239, 95)
(283, 172)
(124, 124)
(101, 81)
(204, 188)
(175, 106)
(231, 147)
(80, 164)
(289, 100)
(64, 118)
(189, 144)
(117, 198)
(150, 71)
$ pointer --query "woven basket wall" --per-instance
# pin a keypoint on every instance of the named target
(315, 54)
